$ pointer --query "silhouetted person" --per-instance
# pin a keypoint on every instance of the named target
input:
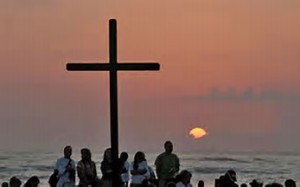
(254, 183)
(290, 183)
(229, 179)
(243, 185)
(184, 179)
(66, 169)
(4, 184)
(32, 182)
(14, 182)
(86, 169)
(200, 183)
(124, 168)
(139, 170)
(167, 164)
(106, 169)
(275, 184)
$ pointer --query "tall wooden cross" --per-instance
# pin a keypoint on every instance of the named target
(113, 66)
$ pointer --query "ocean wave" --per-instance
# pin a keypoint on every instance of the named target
(224, 159)
(221, 170)
(3, 168)
(3, 158)
(43, 168)
(259, 159)
(10, 170)
(214, 159)
(209, 170)
(264, 171)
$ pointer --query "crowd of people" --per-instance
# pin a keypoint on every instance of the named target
(139, 173)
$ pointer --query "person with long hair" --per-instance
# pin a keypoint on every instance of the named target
(124, 168)
(107, 171)
(86, 169)
(106, 168)
(139, 171)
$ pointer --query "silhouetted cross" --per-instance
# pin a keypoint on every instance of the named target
(113, 66)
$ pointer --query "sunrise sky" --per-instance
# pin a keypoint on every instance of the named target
(231, 67)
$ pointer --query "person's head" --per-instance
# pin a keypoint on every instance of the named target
(32, 182)
(4, 184)
(86, 154)
(68, 151)
(200, 183)
(231, 174)
(185, 176)
(124, 156)
(254, 183)
(15, 182)
(168, 147)
(290, 183)
(138, 157)
(107, 154)
(275, 184)
(243, 185)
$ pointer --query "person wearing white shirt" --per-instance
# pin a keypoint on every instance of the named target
(66, 169)
(125, 168)
(139, 170)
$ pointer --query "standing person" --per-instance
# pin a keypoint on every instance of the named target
(124, 168)
(167, 164)
(106, 168)
(66, 169)
(107, 171)
(139, 171)
(86, 169)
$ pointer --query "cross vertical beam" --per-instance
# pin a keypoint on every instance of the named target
(113, 67)
(113, 76)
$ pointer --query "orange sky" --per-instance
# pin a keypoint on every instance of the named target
(229, 66)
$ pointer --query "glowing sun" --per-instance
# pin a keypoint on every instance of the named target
(197, 132)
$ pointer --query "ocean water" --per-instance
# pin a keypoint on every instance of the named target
(206, 166)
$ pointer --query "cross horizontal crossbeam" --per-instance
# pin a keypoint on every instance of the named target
(115, 67)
